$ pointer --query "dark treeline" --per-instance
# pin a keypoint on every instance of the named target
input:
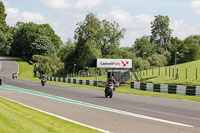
(94, 38)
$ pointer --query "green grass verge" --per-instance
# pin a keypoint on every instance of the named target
(15, 118)
(26, 71)
(189, 74)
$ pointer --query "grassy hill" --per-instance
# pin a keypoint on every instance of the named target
(189, 74)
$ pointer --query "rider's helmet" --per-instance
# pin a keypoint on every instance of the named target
(111, 78)
(43, 76)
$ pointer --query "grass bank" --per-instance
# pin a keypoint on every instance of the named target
(15, 118)
(188, 74)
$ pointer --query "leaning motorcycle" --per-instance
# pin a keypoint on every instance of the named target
(110, 86)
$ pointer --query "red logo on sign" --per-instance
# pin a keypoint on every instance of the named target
(124, 63)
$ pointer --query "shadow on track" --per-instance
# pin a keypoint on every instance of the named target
(98, 97)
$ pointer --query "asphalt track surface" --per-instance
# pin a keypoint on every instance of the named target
(124, 113)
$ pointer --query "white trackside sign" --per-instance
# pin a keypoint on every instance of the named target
(114, 63)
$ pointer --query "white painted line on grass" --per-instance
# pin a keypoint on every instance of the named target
(58, 116)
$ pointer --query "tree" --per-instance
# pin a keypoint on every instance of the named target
(161, 33)
(27, 34)
(5, 32)
(176, 45)
(109, 36)
(157, 60)
(68, 56)
(190, 49)
(49, 66)
(50, 33)
(140, 64)
(3, 25)
(66, 50)
(143, 47)
(43, 46)
(94, 39)
(86, 36)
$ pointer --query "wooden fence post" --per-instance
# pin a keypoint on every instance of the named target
(196, 74)
(186, 73)
(152, 72)
(159, 71)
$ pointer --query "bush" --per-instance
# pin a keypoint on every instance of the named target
(48, 66)
(157, 60)
(140, 64)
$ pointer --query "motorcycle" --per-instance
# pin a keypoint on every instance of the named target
(43, 81)
(14, 75)
(110, 87)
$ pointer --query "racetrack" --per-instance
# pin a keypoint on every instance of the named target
(126, 113)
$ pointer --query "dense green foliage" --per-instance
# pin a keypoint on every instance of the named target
(190, 49)
(161, 33)
(143, 47)
(48, 65)
(43, 46)
(93, 39)
(86, 36)
(5, 32)
(2, 17)
(30, 39)
(161, 49)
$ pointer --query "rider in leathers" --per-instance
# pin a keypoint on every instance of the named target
(113, 81)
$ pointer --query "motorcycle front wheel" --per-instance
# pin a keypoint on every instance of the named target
(111, 93)
(106, 94)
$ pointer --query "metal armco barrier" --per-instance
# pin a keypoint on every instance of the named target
(164, 88)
